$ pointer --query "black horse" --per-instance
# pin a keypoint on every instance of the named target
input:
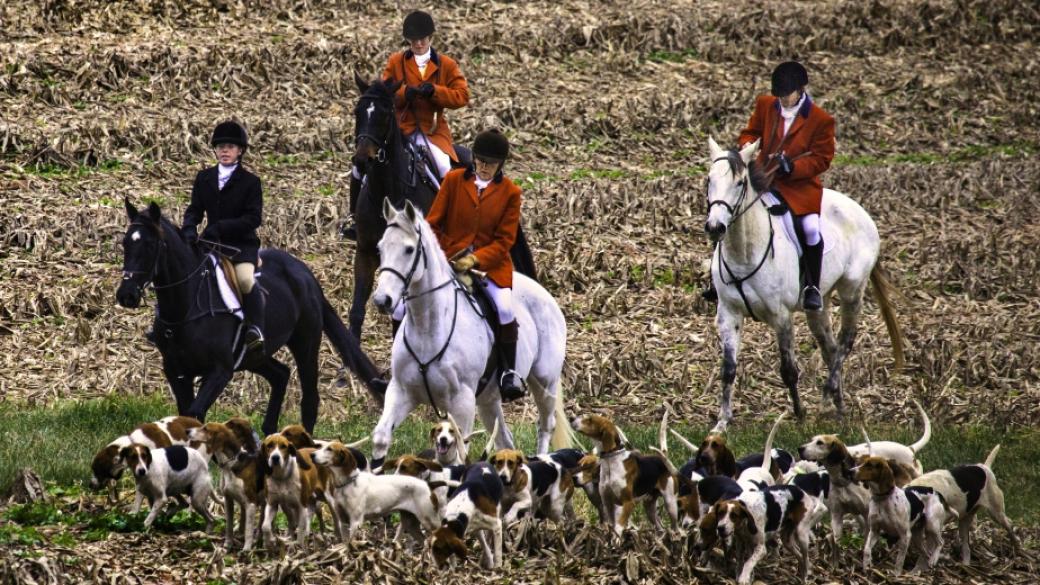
(196, 334)
(396, 171)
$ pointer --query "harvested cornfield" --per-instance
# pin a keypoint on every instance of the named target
(609, 106)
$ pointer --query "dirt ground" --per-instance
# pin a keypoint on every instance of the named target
(609, 106)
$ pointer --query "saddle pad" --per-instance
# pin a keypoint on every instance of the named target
(227, 294)
(787, 223)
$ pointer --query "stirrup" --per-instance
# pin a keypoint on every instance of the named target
(254, 339)
(511, 392)
(812, 300)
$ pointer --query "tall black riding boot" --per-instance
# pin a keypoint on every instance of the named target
(813, 258)
(510, 385)
(349, 230)
(253, 305)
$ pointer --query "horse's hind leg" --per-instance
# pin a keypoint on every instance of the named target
(305, 353)
(277, 375)
(365, 264)
(788, 364)
(545, 399)
(490, 411)
(850, 310)
(728, 325)
(183, 388)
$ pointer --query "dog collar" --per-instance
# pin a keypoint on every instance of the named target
(612, 454)
(350, 479)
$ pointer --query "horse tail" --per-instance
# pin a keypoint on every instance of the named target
(883, 289)
(349, 348)
(562, 432)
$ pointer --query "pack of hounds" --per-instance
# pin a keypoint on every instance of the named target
(444, 495)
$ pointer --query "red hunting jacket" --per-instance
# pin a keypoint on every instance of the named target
(811, 132)
(489, 223)
(450, 90)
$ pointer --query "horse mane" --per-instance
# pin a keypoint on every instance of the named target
(429, 236)
(380, 89)
(760, 181)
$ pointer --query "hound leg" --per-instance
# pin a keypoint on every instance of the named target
(496, 535)
(268, 525)
(229, 521)
(488, 554)
(199, 499)
(749, 565)
(545, 399)
(728, 324)
(157, 506)
(902, 547)
(249, 516)
(277, 375)
(397, 406)
(788, 364)
(868, 547)
(650, 507)
(996, 510)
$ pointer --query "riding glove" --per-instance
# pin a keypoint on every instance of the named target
(785, 167)
(426, 90)
(411, 93)
(211, 233)
(465, 263)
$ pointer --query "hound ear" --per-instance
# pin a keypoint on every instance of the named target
(493, 459)
(409, 211)
(714, 150)
(154, 212)
(131, 211)
(124, 452)
(302, 462)
(390, 464)
(430, 465)
(389, 213)
(747, 154)
(362, 85)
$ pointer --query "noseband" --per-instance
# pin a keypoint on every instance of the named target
(128, 275)
(734, 210)
(406, 279)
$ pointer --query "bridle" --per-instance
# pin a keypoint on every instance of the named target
(381, 143)
(128, 275)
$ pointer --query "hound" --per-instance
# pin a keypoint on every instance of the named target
(587, 478)
(449, 446)
(531, 486)
(108, 465)
(292, 483)
(626, 476)
(829, 447)
(360, 495)
(903, 514)
(967, 489)
(743, 524)
(169, 471)
(476, 505)
(238, 473)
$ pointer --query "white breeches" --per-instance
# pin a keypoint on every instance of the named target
(502, 297)
(811, 228)
(244, 275)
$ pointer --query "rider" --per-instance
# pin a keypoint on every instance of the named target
(798, 142)
(477, 213)
(431, 83)
(232, 201)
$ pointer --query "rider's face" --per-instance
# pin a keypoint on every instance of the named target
(227, 154)
(420, 46)
(486, 167)
(789, 100)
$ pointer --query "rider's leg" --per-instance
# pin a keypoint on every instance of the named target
(252, 304)
(510, 385)
(813, 256)
(440, 158)
(349, 230)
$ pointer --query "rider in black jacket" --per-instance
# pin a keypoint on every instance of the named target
(232, 201)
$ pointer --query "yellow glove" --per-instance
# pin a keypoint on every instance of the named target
(465, 263)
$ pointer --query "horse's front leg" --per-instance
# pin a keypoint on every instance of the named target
(820, 326)
(850, 309)
(728, 323)
(212, 385)
(183, 388)
(365, 263)
(788, 364)
(277, 375)
(397, 406)
(491, 411)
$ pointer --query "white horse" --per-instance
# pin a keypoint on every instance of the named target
(755, 271)
(443, 329)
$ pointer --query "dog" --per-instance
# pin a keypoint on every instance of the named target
(967, 489)
(824, 448)
(626, 477)
(531, 486)
(476, 505)
(744, 523)
(449, 446)
(292, 483)
(587, 478)
(108, 465)
(231, 446)
(169, 471)
(756, 478)
(358, 495)
(907, 515)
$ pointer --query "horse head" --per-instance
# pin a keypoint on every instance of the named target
(375, 119)
(729, 177)
(143, 247)
(403, 254)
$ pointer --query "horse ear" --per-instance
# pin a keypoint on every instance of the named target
(409, 211)
(713, 149)
(394, 85)
(360, 81)
(131, 211)
(747, 154)
(154, 212)
(389, 213)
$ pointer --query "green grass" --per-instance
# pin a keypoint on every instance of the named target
(58, 442)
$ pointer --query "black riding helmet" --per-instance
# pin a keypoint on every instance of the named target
(789, 76)
(230, 132)
(491, 144)
(418, 25)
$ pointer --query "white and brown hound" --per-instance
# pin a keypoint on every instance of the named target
(476, 505)
(166, 472)
(292, 483)
(108, 465)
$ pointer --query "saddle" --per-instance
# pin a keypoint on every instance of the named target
(229, 275)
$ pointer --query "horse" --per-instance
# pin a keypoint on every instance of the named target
(444, 343)
(197, 336)
(391, 174)
(755, 271)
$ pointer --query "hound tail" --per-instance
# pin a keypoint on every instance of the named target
(883, 289)
(767, 455)
(992, 456)
(916, 447)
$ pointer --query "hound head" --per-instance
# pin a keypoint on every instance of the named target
(335, 454)
(447, 541)
(711, 449)
(277, 453)
(599, 429)
(588, 470)
(138, 459)
(412, 466)
(243, 431)
(298, 436)
(107, 466)
(827, 450)
(875, 470)
(733, 518)
(507, 463)
(217, 439)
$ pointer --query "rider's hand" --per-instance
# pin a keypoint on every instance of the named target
(785, 165)
(411, 93)
(211, 233)
(465, 263)
(426, 90)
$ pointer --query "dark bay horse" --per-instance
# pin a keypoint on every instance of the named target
(394, 171)
(196, 335)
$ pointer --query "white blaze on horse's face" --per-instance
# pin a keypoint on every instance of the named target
(135, 236)
(400, 255)
(370, 110)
